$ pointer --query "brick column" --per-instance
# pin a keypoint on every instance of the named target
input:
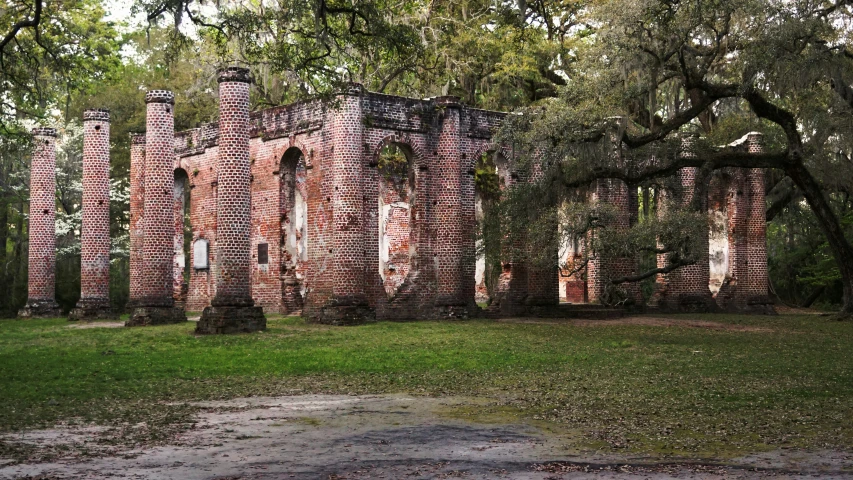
(95, 233)
(687, 288)
(232, 309)
(731, 295)
(543, 281)
(137, 201)
(448, 214)
(602, 267)
(41, 301)
(757, 286)
(348, 303)
(155, 305)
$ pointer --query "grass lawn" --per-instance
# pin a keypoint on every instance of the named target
(635, 388)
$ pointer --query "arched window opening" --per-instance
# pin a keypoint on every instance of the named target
(397, 247)
(718, 236)
(183, 237)
(490, 177)
(294, 229)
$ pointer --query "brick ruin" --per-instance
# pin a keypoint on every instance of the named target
(41, 299)
(95, 230)
(362, 207)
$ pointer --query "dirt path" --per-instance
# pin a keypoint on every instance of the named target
(388, 436)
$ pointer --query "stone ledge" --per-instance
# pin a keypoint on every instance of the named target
(145, 316)
(229, 319)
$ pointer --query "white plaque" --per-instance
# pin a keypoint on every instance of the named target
(200, 254)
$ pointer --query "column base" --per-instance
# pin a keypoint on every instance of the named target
(689, 303)
(92, 309)
(462, 312)
(344, 310)
(40, 309)
(145, 316)
(224, 319)
(760, 304)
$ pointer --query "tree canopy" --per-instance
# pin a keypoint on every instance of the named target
(712, 69)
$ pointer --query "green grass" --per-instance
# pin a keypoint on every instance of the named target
(665, 391)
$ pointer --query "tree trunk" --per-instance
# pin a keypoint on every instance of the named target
(4, 235)
(838, 243)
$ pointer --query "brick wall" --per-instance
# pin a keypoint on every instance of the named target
(338, 180)
(327, 153)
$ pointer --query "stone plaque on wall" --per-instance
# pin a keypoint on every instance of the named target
(263, 254)
(200, 249)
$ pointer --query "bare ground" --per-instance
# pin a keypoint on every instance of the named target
(381, 436)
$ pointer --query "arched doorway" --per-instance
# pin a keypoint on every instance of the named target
(490, 177)
(183, 237)
(397, 244)
(294, 229)
(720, 192)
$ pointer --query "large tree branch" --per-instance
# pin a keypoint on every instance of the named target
(763, 108)
(781, 196)
(650, 273)
(668, 167)
(712, 94)
(18, 26)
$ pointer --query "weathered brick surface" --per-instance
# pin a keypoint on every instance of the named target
(137, 205)
(232, 308)
(156, 304)
(687, 288)
(41, 301)
(317, 208)
(179, 262)
(740, 192)
(95, 233)
(331, 162)
(604, 267)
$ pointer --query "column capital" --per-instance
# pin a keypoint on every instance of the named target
(233, 74)
(160, 96)
(44, 132)
(96, 114)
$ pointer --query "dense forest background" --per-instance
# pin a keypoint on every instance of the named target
(669, 66)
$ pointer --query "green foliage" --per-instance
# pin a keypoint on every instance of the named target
(486, 179)
(69, 48)
(393, 162)
(714, 69)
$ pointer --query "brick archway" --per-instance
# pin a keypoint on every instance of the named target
(294, 232)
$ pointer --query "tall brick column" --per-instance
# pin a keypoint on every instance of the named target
(448, 214)
(232, 309)
(95, 233)
(155, 305)
(757, 286)
(687, 288)
(137, 204)
(604, 267)
(543, 280)
(349, 303)
(41, 301)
